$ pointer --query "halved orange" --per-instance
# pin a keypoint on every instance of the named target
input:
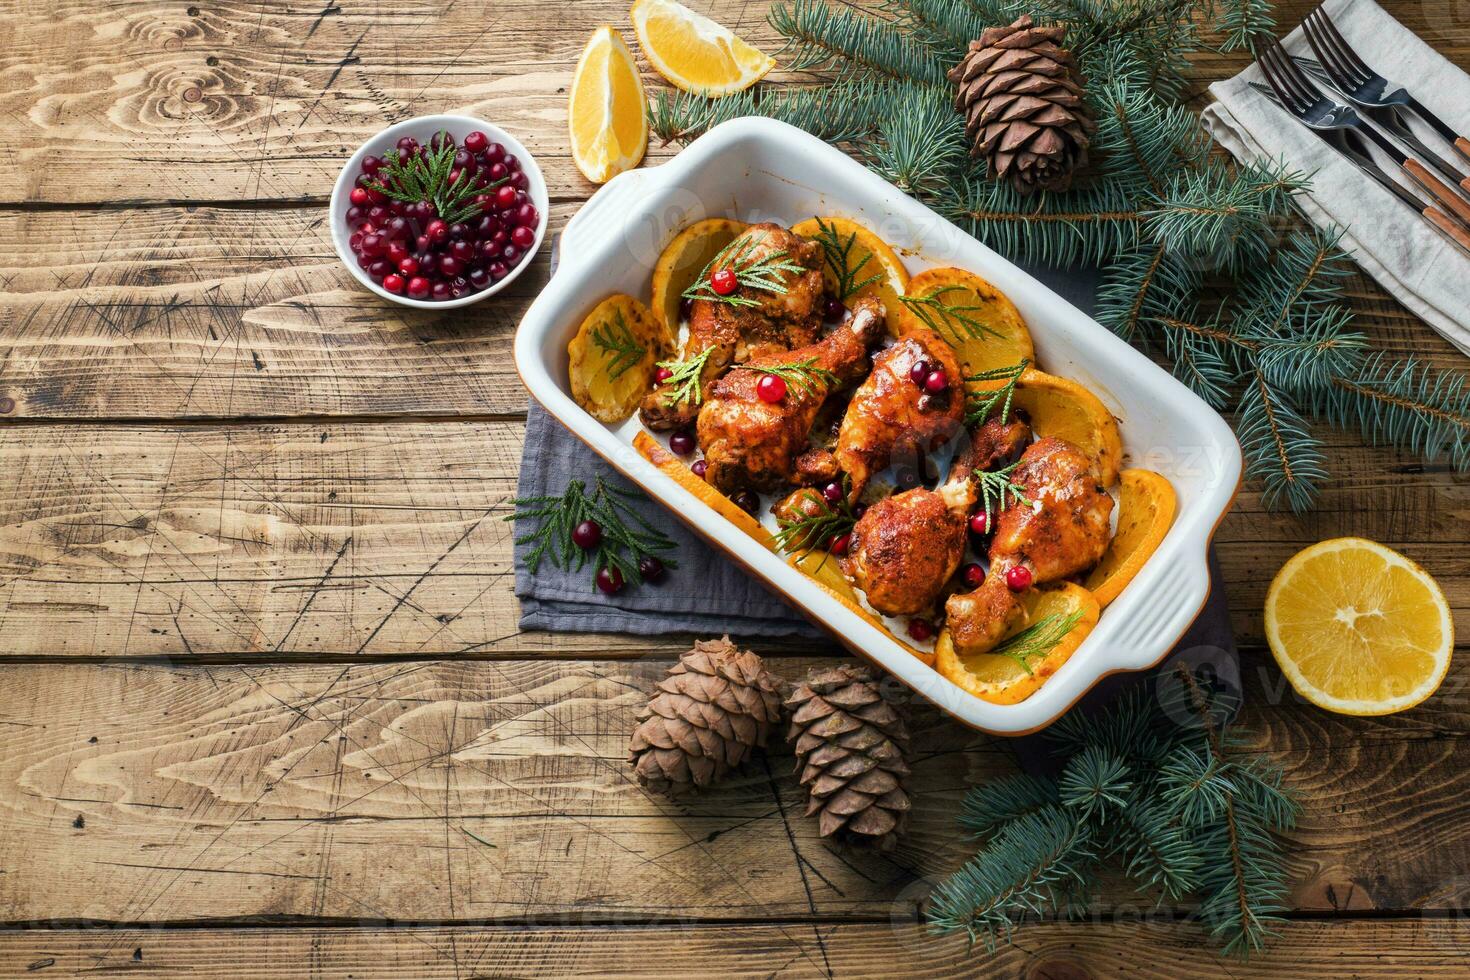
(649, 449)
(1063, 408)
(683, 259)
(1358, 628)
(693, 52)
(1146, 506)
(1002, 679)
(607, 113)
(853, 255)
(984, 326)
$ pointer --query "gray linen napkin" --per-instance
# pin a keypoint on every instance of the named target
(1396, 247)
(707, 593)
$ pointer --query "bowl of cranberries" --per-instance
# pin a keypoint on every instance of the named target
(439, 211)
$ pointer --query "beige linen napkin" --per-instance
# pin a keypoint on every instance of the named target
(1392, 244)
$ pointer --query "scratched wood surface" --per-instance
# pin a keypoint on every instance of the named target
(259, 664)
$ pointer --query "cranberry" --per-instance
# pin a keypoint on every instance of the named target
(840, 544)
(459, 286)
(699, 468)
(500, 239)
(487, 226)
(510, 253)
(367, 228)
(479, 277)
(1018, 579)
(682, 442)
(370, 165)
(355, 215)
(396, 252)
(686, 308)
(522, 237)
(375, 195)
(418, 286)
(450, 266)
(835, 310)
(973, 575)
(463, 160)
(397, 227)
(409, 266)
(355, 241)
(980, 523)
(512, 162)
(358, 196)
(724, 281)
(393, 283)
(421, 243)
(497, 172)
(378, 215)
(610, 581)
(919, 373)
(489, 250)
(424, 212)
(404, 156)
(437, 230)
(459, 230)
(363, 261)
(494, 152)
(527, 216)
(650, 569)
(519, 181)
(936, 382)
(475, 142)
(505, 196)
(832, 492)
(663, 374)
(374, 244)
(770, 388)
(379, 268)
(746, 501)
(440, 139)
(439, 291)
(462, 250)
(921, 629)
(498, 271)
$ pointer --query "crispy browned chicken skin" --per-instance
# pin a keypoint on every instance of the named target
(752, 444)
(905, 548)
(1062, 531)
(778, 322)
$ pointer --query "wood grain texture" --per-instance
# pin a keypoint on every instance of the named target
(1427, 948)
(470, 791)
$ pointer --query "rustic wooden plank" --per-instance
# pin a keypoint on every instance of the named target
(388, 539)
(472, 791)
(1427, 948)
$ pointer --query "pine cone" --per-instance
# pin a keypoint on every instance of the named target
(713, 708)
(850, 745)
(1021, 95)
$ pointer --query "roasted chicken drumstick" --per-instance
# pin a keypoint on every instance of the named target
(753, 444)
(735, 332)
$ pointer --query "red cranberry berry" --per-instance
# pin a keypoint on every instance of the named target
(356, 215)
(980, 523)
(527, 216)
(393, 282)
(522, 237)
(1018, 579)
(437, 230)
(835, 310)
(650, 569)
(371, 164)
(840, 544)
(936, 382)
(476, 142)
(699, 468)
(355, 241)
(418, 287)
(832, 492)
(479, 277)
(681, 443)
(487, 226)
(921, 629)
(587, 535)
(511, 254)
(505, 196)
(724, 281)
(450, 266)
(746, 501)
(498, 271)
(397, 252)
(359, 196)
(973, 575)
(462, 250)
(409, 266)
(497, 172)
(421, 243)
(379, 268)
(663, 374)
(494, 152)
(397, 227)
(919, 373)
(440, 140)
(439, 291)
(464, 160)
(770, 388)
(378, 215)
(610, 581)
(519, 180)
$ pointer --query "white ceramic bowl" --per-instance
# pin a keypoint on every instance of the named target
(756, 169)
(422, 128)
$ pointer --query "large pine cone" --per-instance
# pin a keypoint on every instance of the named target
(850, 745)
(1021, 95)
(714, 706)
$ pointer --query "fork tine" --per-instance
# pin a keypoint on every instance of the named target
(1304, 93)
(1349, 55)
(1269, 69)
(1327, 59)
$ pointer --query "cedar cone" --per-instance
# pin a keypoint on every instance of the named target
(850, 744)
(1021, 95)
(715, 705)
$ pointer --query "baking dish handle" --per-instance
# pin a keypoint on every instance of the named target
(600, 216)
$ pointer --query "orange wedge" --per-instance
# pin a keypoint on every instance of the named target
(984, 326)
(1065, 409)
(607, 112)
(693, 52)
(1002, 679)
(854, 255)
(1146, 505)
(674, 467)
(1358, 628)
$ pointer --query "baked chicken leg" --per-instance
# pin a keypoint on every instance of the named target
(1060, 530)
(753, 444)
(734, 331)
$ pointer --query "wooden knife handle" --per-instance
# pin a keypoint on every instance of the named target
(1450, 227)
(1463, 145)
(1448, 199)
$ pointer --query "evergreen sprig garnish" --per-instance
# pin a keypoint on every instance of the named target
(818, 528)
(626, 535)
(763, 272)
(806, 374)
(949, 316)
(1169, 222)
(622, 347)
(425, 177)
(686, 383)
(837, 252)
(979, 404)
(998, 491)
(1036, 639)
(1153, 780)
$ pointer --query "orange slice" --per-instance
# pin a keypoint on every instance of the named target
(673, 466)
(607, 112)
(1002, 679)
(984, 327)
(611, 359)
(854, 255)
(693, 52)
(1063, 408)
(1146, 507)
(1358, 628)
(683, 259)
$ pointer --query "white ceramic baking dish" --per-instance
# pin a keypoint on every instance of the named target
(757, 169)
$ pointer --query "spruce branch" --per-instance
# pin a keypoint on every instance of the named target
(821, 36)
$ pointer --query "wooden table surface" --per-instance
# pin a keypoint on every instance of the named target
(264, 706)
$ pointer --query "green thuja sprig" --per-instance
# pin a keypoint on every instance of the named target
(998, 491)
(626, 536)
(686, 384)
(623, 349)
(1038, 638)
(943, 310)
(837, 252)
(818, 524)
(765, 273)
(979, 404)
(426, 178)
(806, 374)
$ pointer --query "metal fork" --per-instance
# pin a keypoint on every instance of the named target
(1362, 84)
(1297, 95)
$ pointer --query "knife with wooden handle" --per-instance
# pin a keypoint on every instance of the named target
(1450, 201)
